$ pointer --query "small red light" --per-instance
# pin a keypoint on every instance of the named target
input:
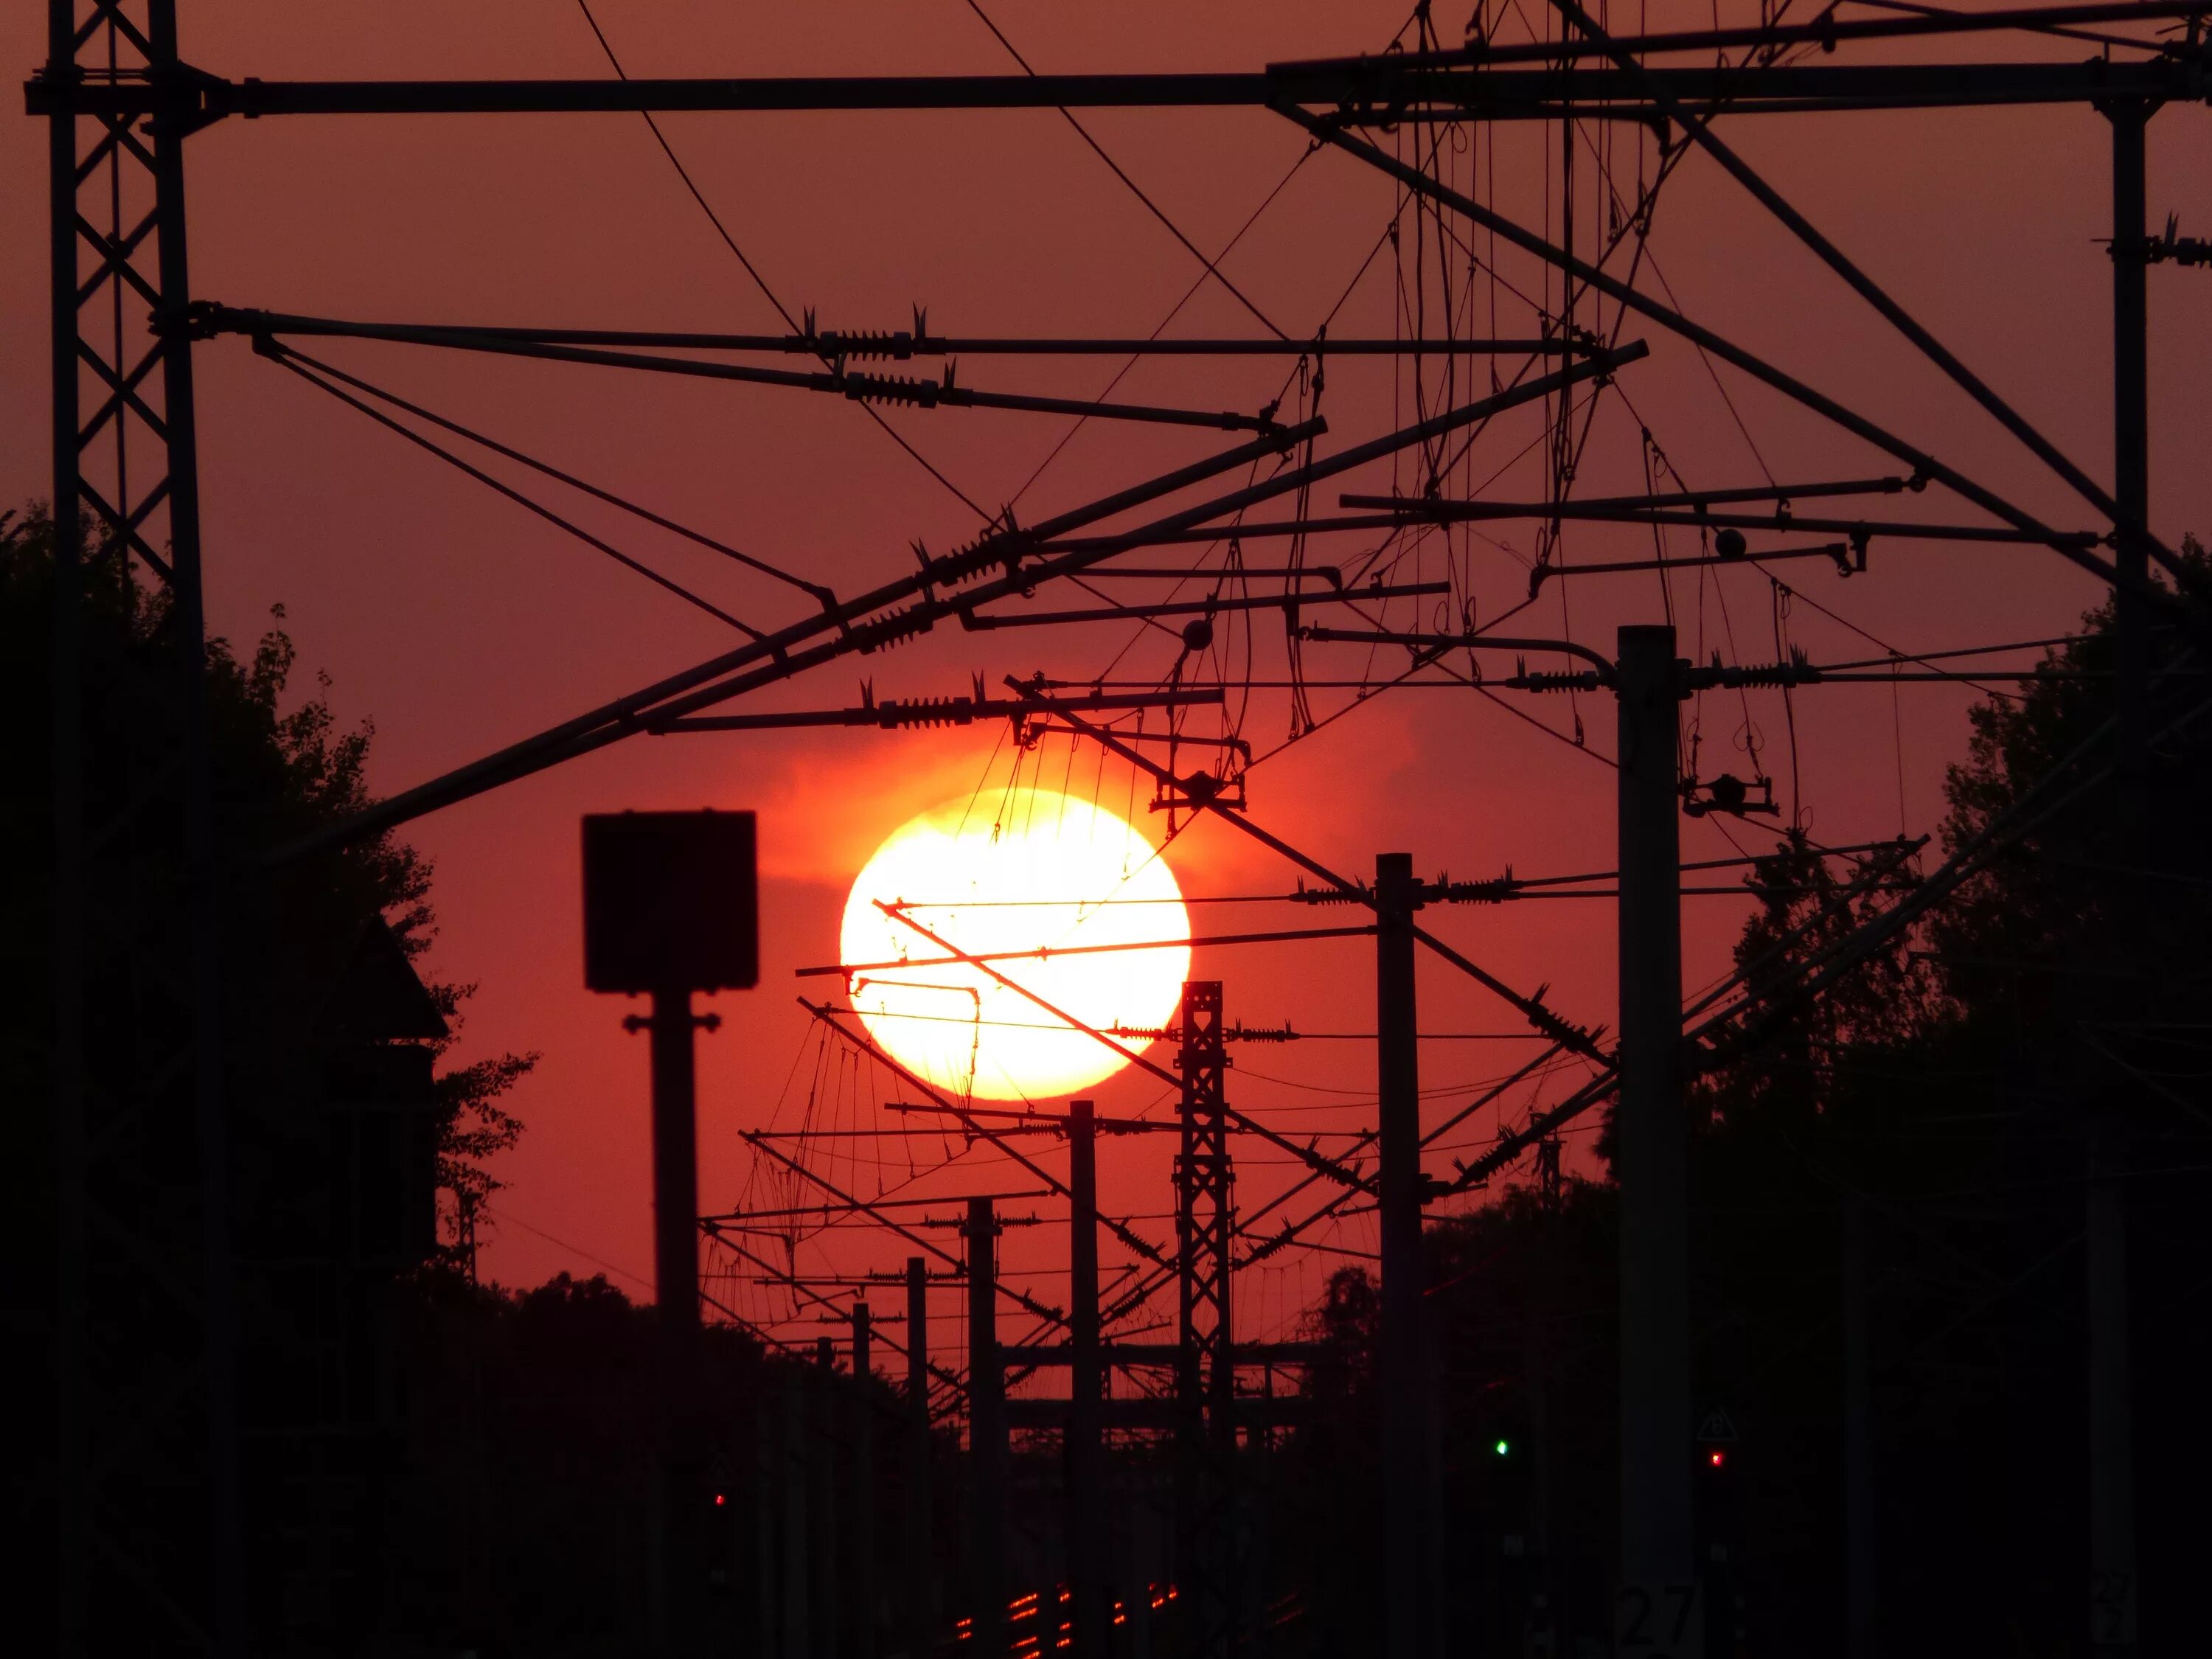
(719, 1500)
(1717, 1459)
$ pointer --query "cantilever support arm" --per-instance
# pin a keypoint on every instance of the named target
(1330, 130)
(938, 590)
(1511, 1146)
(1550, 1023)
(1306, 1154)
(1136, 1241)
(864, 623)
(817, 1299)
(839, 381)
(1700, 130)
(876, 345)
(1290, 1231)
(759, 1144)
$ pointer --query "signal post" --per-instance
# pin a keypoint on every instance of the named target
(671, 908)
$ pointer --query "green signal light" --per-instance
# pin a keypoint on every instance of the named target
(1502, 1448)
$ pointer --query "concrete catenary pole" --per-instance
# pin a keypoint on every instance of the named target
(987, 1431)
(680, 1563)
(1657, 1566)
(1862, 1637)
(921, 1564)
(1086, 1543)
(798, 1639)
(863, 1485)
(2112, 1593)
(833, 1614)
(768, 1473)
(1407, 1444)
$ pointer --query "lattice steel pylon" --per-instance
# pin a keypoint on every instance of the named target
(1205, 1381)
(147, 1513)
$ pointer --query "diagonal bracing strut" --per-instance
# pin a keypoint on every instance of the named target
(1306, 1154)
(872, 621)
(1136, 1241)
(759, 1144)
(1329, 130)
(1700, 130)
(1205, 795)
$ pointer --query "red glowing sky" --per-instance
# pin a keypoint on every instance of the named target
(458, 623)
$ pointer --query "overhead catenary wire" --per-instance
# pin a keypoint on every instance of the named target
(286, 359)
(721, 230)
(1392, 551)
(813, 589)
(1213, 268)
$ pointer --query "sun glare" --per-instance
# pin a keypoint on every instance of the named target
(1035, 870)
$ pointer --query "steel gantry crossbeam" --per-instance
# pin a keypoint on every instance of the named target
(1371, 92)
(149, 1531)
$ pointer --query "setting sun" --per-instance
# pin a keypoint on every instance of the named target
(1036, 870)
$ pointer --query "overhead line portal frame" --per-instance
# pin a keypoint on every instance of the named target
(1373, 94)
(119, 233)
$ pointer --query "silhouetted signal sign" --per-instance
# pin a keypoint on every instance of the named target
(672, 901)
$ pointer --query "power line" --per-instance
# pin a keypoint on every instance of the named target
(760, 281)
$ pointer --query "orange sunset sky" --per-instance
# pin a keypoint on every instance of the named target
(458, 623)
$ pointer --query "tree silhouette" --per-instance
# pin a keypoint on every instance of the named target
(280, 774)
(427, 1464)
(1945, 1089)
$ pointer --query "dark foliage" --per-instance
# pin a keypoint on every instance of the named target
(335, 1131)
(1924, 1129)
(428, 1466)
(521, 1505)
(280, 773)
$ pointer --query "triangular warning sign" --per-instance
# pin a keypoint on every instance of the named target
(1715, 1426)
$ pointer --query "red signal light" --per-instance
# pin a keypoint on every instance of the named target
(720, 1499)
(1717, 1458)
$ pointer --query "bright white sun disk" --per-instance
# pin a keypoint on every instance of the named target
(1033, 870)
